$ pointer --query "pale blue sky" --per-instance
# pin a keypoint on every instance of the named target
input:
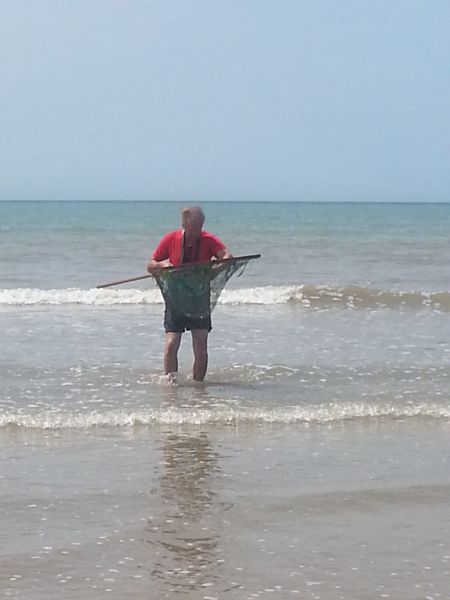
(198, 100)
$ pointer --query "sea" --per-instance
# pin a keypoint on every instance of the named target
(312, 463)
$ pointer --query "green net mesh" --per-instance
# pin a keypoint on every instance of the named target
(193, 290)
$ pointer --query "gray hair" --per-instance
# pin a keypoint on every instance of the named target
(190, 213)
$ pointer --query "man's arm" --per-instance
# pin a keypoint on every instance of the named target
(155, 265)
(160, 257)
(217, 248)
(223, 253)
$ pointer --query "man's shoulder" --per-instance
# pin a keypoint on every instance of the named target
(206, 235)
(172, 235)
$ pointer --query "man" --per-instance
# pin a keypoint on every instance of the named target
(189, 244)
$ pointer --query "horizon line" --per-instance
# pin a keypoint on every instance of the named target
(236, 201)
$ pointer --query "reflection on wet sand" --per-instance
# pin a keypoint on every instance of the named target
(184, 532)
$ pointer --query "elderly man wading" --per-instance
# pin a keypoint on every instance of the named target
(187, 245)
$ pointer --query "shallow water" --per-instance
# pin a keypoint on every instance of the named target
(354, 510)
(80, 367)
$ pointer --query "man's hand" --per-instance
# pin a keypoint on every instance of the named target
(155, 265)
(223, 254)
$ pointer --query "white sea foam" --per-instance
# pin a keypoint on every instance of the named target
(91, 297)
(315, 296)
(328, 413)
(105, 297)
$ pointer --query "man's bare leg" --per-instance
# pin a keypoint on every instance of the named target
(200, 348)
(171, 346)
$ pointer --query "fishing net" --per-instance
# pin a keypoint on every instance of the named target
(193, 290)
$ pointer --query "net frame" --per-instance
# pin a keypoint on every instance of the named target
(193, 290)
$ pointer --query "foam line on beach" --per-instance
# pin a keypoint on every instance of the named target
(330, 413)
(308, 296)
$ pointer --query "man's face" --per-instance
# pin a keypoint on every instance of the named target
(193, 227)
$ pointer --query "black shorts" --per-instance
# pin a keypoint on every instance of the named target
(180, 324)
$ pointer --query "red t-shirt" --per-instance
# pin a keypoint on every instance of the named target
(171, 247)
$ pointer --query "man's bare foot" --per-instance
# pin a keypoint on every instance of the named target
(171, 378)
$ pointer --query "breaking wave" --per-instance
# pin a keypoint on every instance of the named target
(326, 414)
(307, 296)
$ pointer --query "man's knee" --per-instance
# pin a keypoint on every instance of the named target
(200, 342)
(172, 343)
(201, 353)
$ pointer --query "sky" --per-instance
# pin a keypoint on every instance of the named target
(217, 100)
